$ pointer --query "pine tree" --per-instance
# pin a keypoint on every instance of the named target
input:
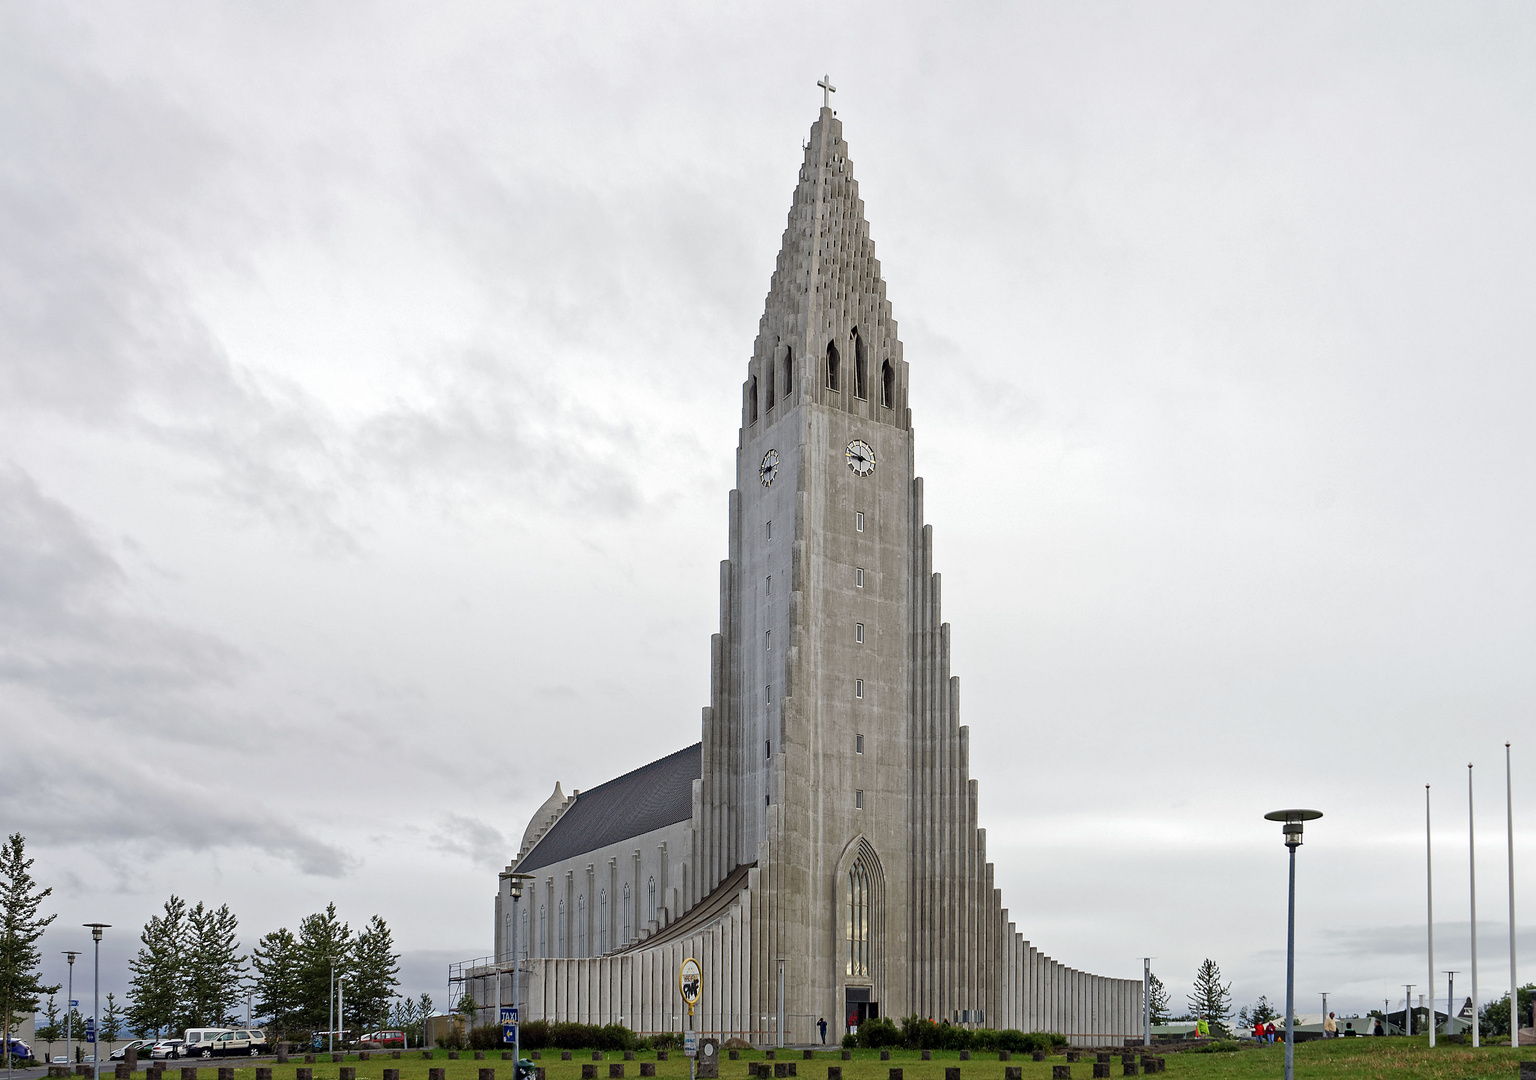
(111, 1020)
(324, 940)
(279, 994)
(157, 993)
(1210, 1000)
(1160, 1007)
(215, 968)
(21, 989)
(375, 965)
(51, 1031)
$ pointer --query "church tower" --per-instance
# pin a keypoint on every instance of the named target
(818, 851)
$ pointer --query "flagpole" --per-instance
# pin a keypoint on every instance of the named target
(1429, 879)
(1514, 984)
(1477, 1022)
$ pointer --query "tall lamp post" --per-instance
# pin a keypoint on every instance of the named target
(515, 884)
(96, 929)
(69, 1008)
(1291, 830)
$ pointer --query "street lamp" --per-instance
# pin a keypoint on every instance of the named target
(69, 1007)
(96, 929)
(515, 883)
(1291, 829)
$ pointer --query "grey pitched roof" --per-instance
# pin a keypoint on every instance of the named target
(651, 797)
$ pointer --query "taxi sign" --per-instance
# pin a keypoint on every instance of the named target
(690, 1044)
(690, 978)
(508, 1023)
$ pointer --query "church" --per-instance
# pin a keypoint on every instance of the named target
(818, 850)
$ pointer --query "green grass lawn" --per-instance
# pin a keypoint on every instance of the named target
(1353, 1059)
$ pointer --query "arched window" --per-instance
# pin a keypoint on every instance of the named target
(768, 395)
(563, 929)
(543, 932)
(789, 370)
(628, 913)
(887, 384)
(650, 903)
(581, 926)
(832, 383)
(752, 401)
(860, 380)
(522, 936)
(602, 923)
(506, 936)
(858, 920)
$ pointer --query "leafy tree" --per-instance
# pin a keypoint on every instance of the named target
(51, 1031)
(1260, 1012)
(278, 990)
(21, 988)
(215, 970)
(157, 993)
(1210, 1000)
(111, 1020)
(1157, 998)
(375, 965)
(467, 1007)
(1493, 1018)
(324, 940)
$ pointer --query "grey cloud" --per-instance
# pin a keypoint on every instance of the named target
(473, 839)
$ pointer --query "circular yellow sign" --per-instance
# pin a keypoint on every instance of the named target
(690, 980)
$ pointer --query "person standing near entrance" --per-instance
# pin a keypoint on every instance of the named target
(822, 1024)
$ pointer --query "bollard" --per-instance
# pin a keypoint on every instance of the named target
(1013, 1072)
(927, 1055)
(348, 1072)
(597, 1055)
(300, 1073)
(965, 1055)
(395, 1054)
(1101, 1068)
(647, 1068)
(1038, 1055)
(432, 1074)
(589, 1072)
(427, 1054)
(337, 1057)
(661, 1055)
(1102, 1058)
(885, 1055)
(282, 1053)
(506, 1055)
(847, 1055)
(362, 1055)
(1130, 1068)
(389, 1074)
(629, 1055)
(565, 1055)
(537, 1055)
(807, 1054)
(834, 1072)
(479, 1055)
(616, 1070)
(538, 1073)
(226, 1073)
(1061, 1072)
(121, 1071)
(780, 1070)
(453, 1055)
(488, 1074)
(735, 1055)
(1003, 1055)
(189, 1072)
(1074, 1055)
(895, 1074)
(952, 1072)
(1528, 1070)
(791, 1069)
(771, 1054)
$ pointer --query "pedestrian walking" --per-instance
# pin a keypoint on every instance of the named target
(822, 1024)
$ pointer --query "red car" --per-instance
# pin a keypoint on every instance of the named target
(382, 1040)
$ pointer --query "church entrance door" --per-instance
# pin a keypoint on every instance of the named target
(859, 1006)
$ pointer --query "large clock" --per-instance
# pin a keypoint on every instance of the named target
(861, 459)
(769, 468)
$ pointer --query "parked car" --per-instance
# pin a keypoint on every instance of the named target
(382, 1040)
(141, 1045)
(20, 1051)
(166, 1048)
(223, 1042)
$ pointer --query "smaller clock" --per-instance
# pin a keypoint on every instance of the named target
(769, 468)
(861, 459)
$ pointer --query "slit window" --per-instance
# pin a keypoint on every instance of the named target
(860, 390)
(767, 641)
(832, 367)
(767, 749)
(768, 694)
(858, 744)
(858, 577)
(789, 370)
(887, 384)
(858, 633)
(858, 521)
(768, 385)
(769, 530)
(858, 800)
(858, 688)
(752, 400)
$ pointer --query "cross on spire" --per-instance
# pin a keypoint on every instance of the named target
(827, 90)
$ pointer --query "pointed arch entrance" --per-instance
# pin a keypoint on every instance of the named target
(860, 919)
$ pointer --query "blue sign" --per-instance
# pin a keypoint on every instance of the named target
(73, 1004)
(508, 1023)
(90, 1029)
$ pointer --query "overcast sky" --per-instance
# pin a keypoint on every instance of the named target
(369, 383)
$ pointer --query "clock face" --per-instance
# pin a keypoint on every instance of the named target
(861, 459)
(769, 468)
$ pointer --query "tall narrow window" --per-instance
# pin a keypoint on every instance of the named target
(887, 384)
(858, 800)
(768, 694)
(858, 633)
(832, 372)
(629, 912)
(858, 744)
(752, 400)
(563, 929)
(768, 396)
(767, 749)
(858, 577)
(767, 641)
(543, 932)
(860, 389)
(581, 926)
(650, 899)
(858, 688)
(522, 936)
(769, 530)
(789, 370)
(768, 584)
(858, 920)
(602, 922)
(858, 521)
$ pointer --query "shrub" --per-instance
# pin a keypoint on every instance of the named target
(485, 1037)
(665, 1040)
(1219, 1046)
(534, 1035)
(850, 1041)
(877, 1033)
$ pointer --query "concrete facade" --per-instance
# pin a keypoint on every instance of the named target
(834, 846)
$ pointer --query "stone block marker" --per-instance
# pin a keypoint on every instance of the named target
(588, 1071)
(309, 1059)
(226, 1073)
(55, 1071)
(537, 1055)
(121, 1071)
(432, 1074)
(885, 1055)
(506, 1055)
(792, 1066)
(780, 1070)
(597, 1055)
(453, 1055)
(389, 1074)
(847, 1055)
(807, 1054)
(616, 1070)
(1528, 1070)
(337, 1057)
(952, 1072)
(1074, 1055)
(396, 1055)
(629, 1055)
(770, 1054)
(348, 1072)
(647, 1068)
(1013, 1072)
(1061, 1072)
(965, 1055)
(1103, 1056)
(834, 1072)
(1037, 1055)
(895, 1074)
(488, 1073)
(479, 1055)
(1130, 1068)
(1101, 1068)
(303, 1072)
(427, 1054)
(538, 1073)
(362, 1055)
(661, 1055)
(735, 1055)
(1003, 1055)
(565, 1055)
(927, 1055)
(187, 1073)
